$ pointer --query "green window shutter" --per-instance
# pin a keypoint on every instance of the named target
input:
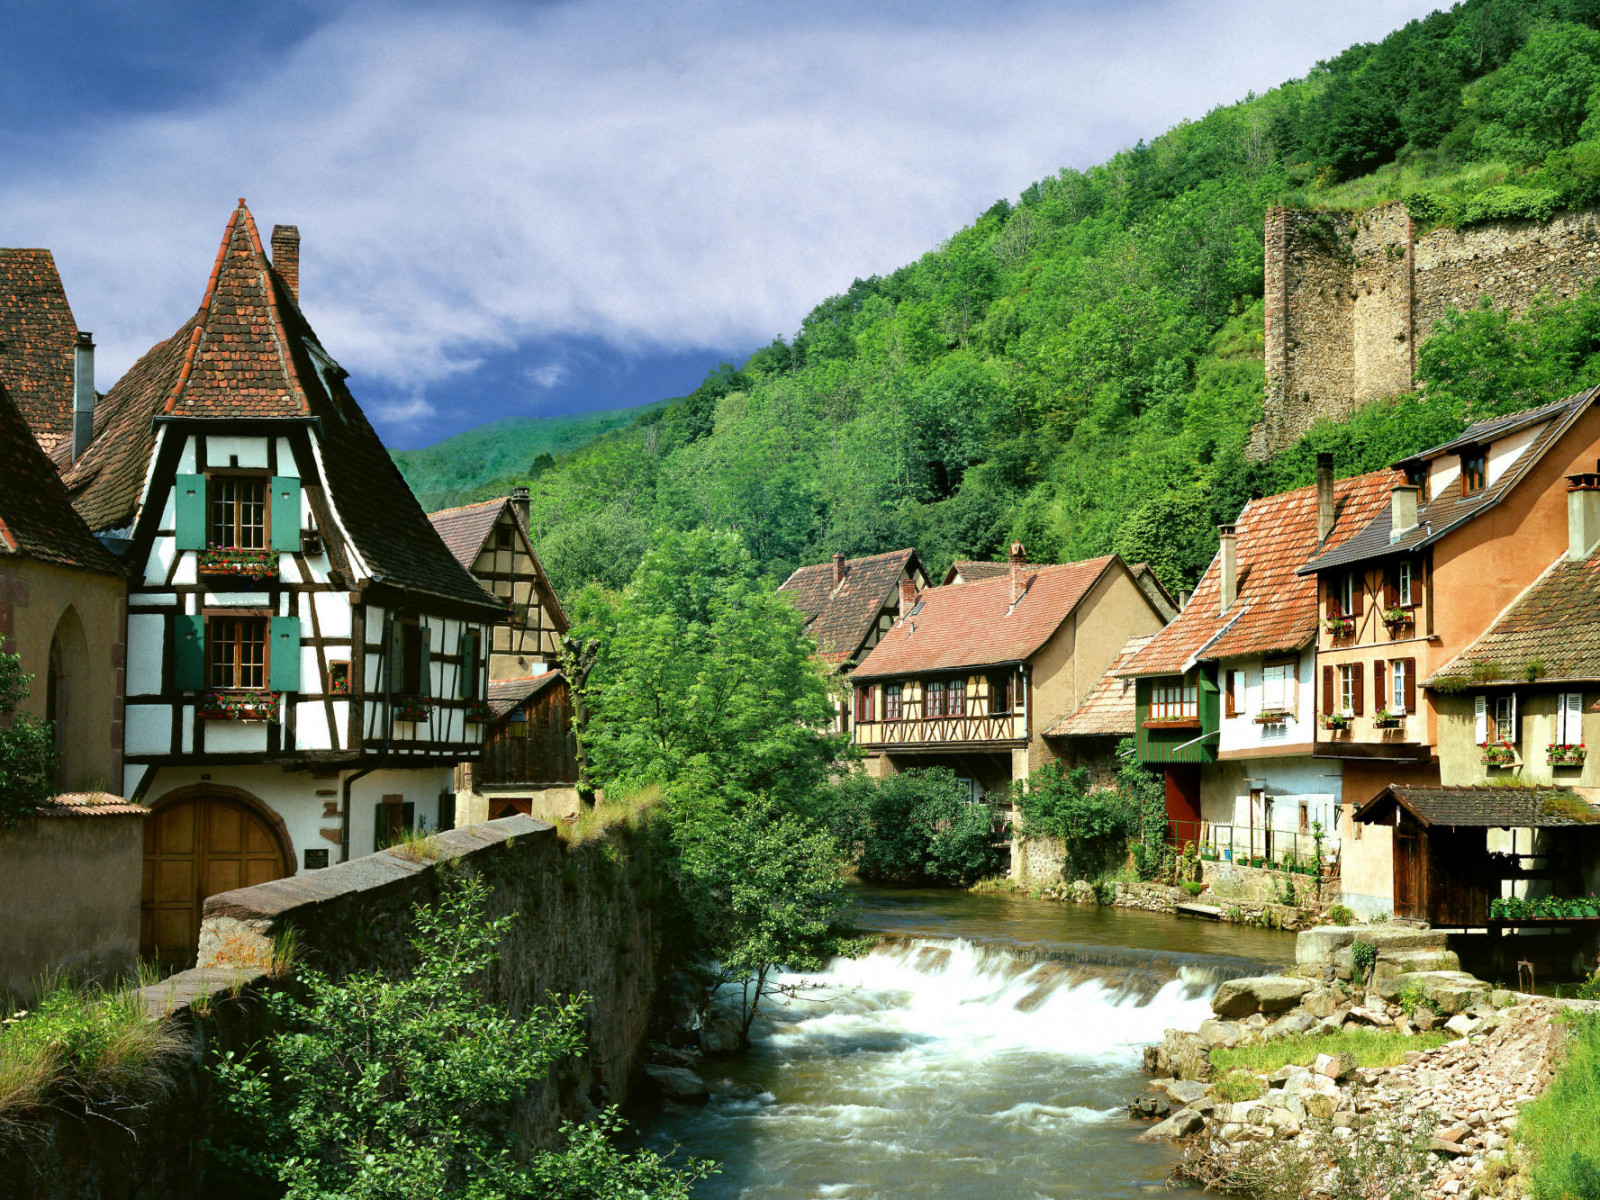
(285, 513)
(469, 665)
(189, 499)
(397, 658)
(189, 652)
(425, 662)
(283, 665)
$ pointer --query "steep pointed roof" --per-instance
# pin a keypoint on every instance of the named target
(464, 530)
(249, 353)
(841, 615)
(37, 336)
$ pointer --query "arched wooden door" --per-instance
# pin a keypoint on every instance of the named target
(194, 848)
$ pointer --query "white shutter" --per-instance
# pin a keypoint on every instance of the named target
(1515, 737)
(1480, 718)
(1571, 719)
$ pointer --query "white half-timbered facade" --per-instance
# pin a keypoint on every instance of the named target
(306, 661)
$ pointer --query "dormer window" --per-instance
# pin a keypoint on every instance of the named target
(1421, 478)
(238, 511)
(1474, 471)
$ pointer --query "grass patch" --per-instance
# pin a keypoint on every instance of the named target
(80, 1045)
(591, 824)
(1570, 807)
(1236, 1085)
(417, 846)
(1372, 1048)
(1560, 1131)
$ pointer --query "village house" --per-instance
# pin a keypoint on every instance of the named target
(305, 658)
(1089, 736)
(970, 572)
(970, 676)
(39, 342)
(1472, 525)
(1225, 705)
(528, 763)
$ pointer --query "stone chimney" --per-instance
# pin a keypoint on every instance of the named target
(1583, 515)
(1019, 559)
(1402, 510)
(839, 569)
(1183, 599)
(1324, 496)
(519, 503)
(82, 394)
(286, 257)
(1228, 565)
(908, 596)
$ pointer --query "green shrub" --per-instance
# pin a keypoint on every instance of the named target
(1193, 887)
(1507, 202)
(1561, 1129)
(1340, 915)
(1094, 824)
(1365, 956)
(919, 826)
(1106, 891)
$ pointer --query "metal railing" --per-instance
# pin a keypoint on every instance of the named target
(1253, 846)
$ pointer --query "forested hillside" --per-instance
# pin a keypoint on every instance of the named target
(1080, 369)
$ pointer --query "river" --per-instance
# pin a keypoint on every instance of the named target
(985, 1049)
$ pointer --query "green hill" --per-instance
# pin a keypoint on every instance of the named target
(1079, 369)
(488, 459)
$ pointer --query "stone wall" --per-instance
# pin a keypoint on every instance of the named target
(1350, 295)
(1232, 882)
(585, 924)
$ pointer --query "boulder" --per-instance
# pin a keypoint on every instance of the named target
(1291, 1025)
(720, 1035)
(677, 1083)
(1179, 1055)
(1335, 1066)
(1424, 1018)
(1321, 946)
(1318, 1106)
(1462, 1025)
(1320, 1002)
(1180, 1124)
(1369, 1016)
(1186, 1091)
(1218, 1033)
(1501, 998)
(1151, 1104)
(1261, 993)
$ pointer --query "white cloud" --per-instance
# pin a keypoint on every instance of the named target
(465, 181)
(547, 375)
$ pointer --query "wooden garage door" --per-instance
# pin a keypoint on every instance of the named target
(193, 849)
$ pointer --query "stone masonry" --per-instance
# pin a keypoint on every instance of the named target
(1349, 296)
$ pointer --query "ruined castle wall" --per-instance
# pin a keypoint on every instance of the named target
(1350, 296)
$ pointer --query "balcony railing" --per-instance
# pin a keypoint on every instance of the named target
(1010, 727)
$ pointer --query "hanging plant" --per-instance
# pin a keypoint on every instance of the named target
(1384, 719)
(1272, 716)
(1340, 627)
(412, 708)
(478, 712)
(1396, 618)
(1567, 754)
(1335, 721)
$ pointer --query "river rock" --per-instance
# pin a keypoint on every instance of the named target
(1083, 892)
(1335, 1066)
(1424, 1018)
(1291, 1025)
(1261, 993)
(1330, 944)
(1218, 1033)
(1462, 1025)
(720, 1035)
(1179, 1055)
(1501, 998)
(1152, 1104)
(1180, 1124)
(677, 1083)
(1319, 1002)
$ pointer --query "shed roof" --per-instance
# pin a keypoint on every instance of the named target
(1108, 709)
(840, 616)
(976, 625)
(1276, 608)
(507, 694)
(89, 804)
(37, 339)
(1497, 807)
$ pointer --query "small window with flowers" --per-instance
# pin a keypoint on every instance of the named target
(236, 528)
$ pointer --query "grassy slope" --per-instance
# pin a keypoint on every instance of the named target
(485, 460)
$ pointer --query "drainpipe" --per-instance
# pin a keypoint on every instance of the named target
(344, 824)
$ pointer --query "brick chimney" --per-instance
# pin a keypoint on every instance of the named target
(1324, 496)
(908, 595)
(1019, 559)
(1228, 565)
(286, 257)
(1583, 515)
(82, 394)
(519, 502)
(839, 569)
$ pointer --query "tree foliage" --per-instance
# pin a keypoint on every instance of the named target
(27, 747)
(382, 1089)
(917, 826)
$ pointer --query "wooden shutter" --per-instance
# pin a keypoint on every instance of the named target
(1327, 690)
(1391, 586)
(397, 658)
(1569, 723)
(189, 504)
(1358, 585)
(1356, 688)
(1480, 719)
(285, 513)
(469, 665)
(189, 652)
(283, 656)
(424, 660)
(1231, 682)
(1515, 734)
(1380, 698)
(1330, 606)
(1411, 684)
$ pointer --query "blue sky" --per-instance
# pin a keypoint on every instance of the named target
(540, 209)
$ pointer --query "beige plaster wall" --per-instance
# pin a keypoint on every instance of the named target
(1366, 865)
(69, 889)
(1461, 758)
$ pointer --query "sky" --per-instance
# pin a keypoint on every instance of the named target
(546, 208)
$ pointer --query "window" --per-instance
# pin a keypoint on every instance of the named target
(863, 704)
(955, 698)
(1347, 595)
(891, 702)
(999, 695)
(1473, 471)
(1402, 585)
(1277, 686)
(502, 538)
(238, 652)
(1349, 699)
(1495, 718)
(933, 698)
(408, 678)
(1402, 689)
(391, 816)
(238, 511)
(1174, 700)
(471, 663)
(1232, 693)
(1569, 719)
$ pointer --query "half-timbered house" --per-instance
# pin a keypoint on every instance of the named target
(305, 659)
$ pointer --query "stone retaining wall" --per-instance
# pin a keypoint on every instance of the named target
(1230, 882)
(586, 925)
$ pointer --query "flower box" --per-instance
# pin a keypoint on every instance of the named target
(1567, 754)
(1499, 754)
(1172, 723)
(412, 708)
(1398, 618)
(478, 712)
(1340, 627)
(1272, 716)
(339, 678)
(1335, 721)
(1545, 908)
(232, 560)
(239, 706)
(1383, 719)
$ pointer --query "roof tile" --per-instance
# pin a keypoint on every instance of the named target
(841, 617)
(1108, 709)
(37, 337)
(1514, 807)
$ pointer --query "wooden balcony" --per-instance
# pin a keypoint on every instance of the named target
(1010, 729)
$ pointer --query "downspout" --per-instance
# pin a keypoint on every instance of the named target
(344, 824)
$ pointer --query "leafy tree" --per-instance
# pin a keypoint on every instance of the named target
(764, 890)
(27, 747)
(706, 678)
(1094, 824)
(916, 826)
(1540, 99)
(377, 1088)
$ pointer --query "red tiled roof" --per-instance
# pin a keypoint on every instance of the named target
(975, 624)
(971, 572)
(1108, 709)
(37, 336)
(249, 353)
(464, 530)
(1276, 608)
(37, 519)
(841, 617)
